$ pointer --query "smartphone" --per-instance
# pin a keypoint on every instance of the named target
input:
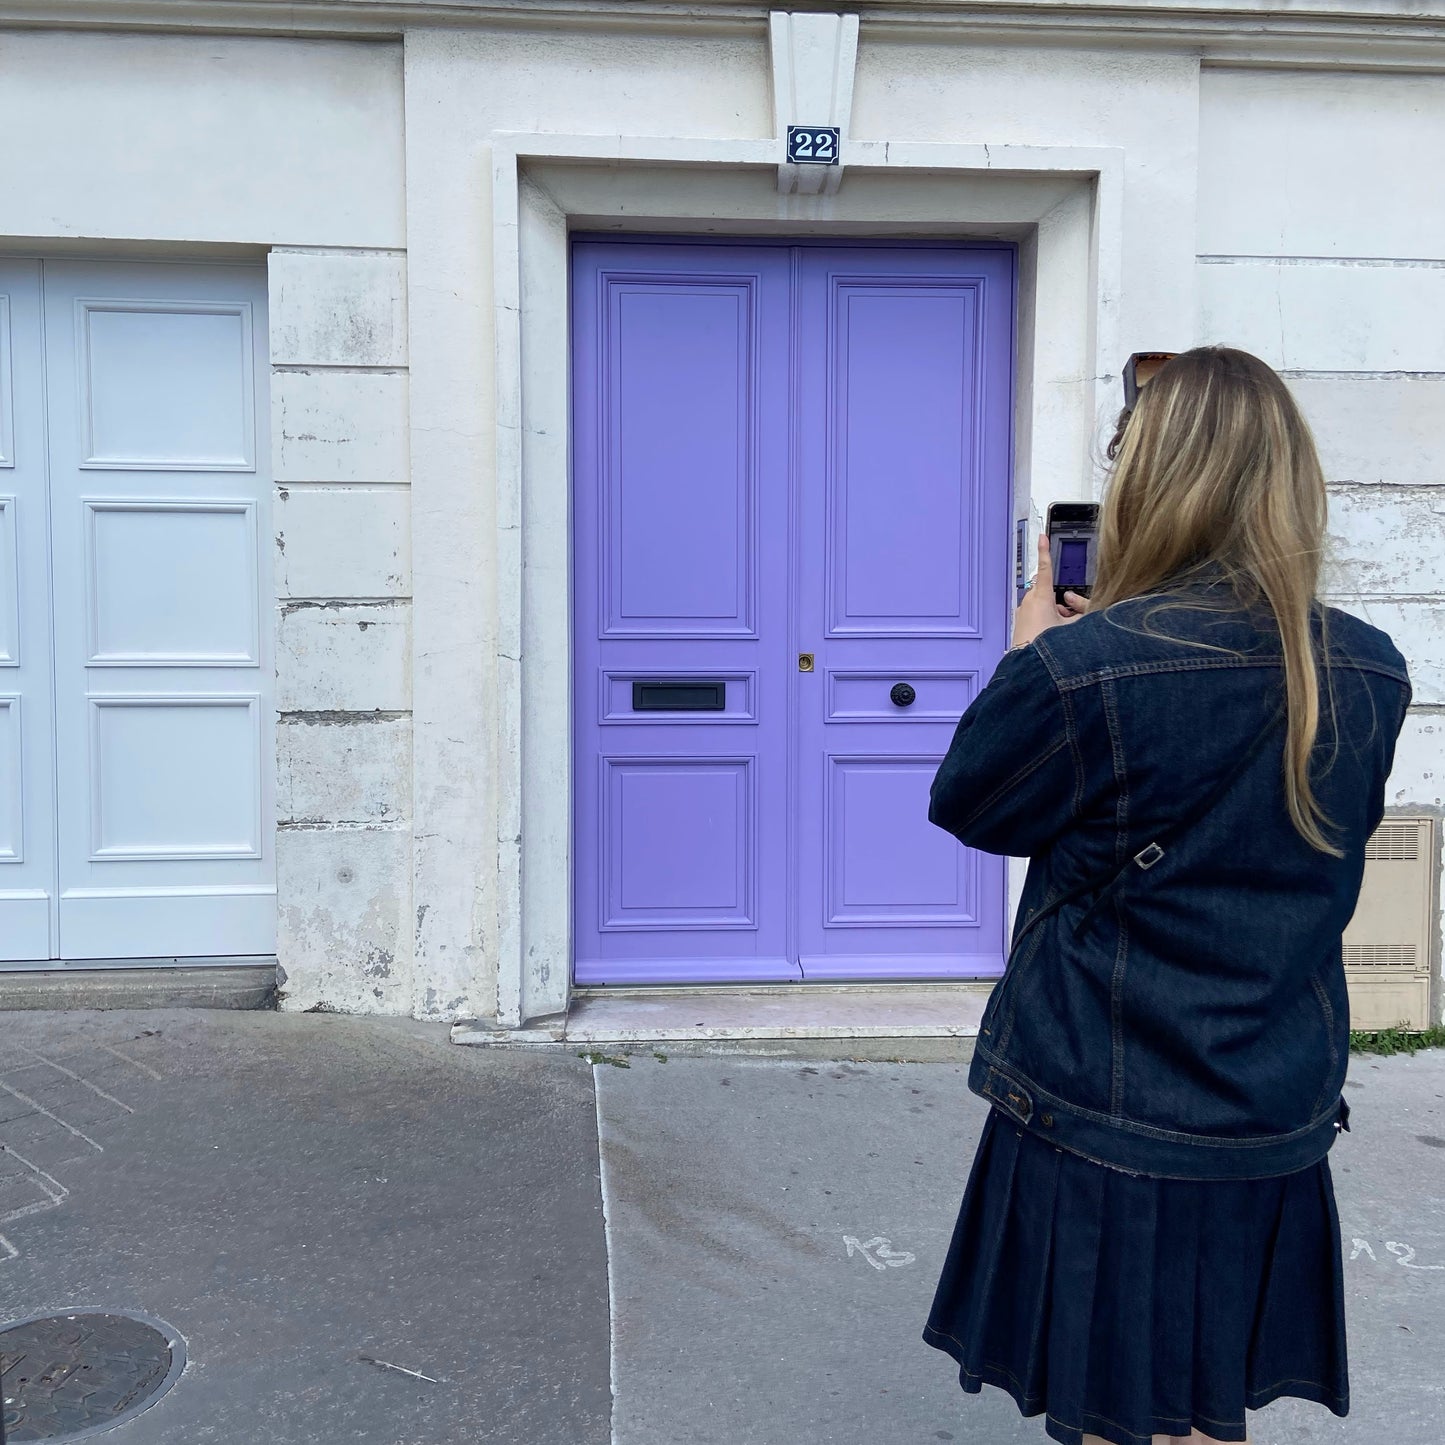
(1073, 543)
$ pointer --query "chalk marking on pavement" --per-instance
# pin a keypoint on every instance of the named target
(53, 1189)
(94, 1088)
(54, 1118)
(48, 1185)
(400, 1369)
(1405, 1253)
(602, 1174)
(134, 1063)
(879, 1252)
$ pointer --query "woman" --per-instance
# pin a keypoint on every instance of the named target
(1148, 1245)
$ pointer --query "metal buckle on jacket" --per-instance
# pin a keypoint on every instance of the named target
(1146, 858)
(1015, 1100)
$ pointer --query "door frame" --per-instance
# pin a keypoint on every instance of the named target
(1062, 206)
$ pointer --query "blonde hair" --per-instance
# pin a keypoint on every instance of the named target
(1216, 471)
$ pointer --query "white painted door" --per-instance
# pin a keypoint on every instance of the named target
(27, 769)
(160, 656)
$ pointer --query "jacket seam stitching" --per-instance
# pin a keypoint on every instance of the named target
(1014, 970)
(1071, 727)
(1116, 1010)
(1202, 664)
(1108, 697)
(1009, 783)
(1329, 1015)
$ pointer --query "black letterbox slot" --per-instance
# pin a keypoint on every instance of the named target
(690, 696)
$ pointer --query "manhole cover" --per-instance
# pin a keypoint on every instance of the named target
(65, 1376)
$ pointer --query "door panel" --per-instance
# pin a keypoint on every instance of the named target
(27, 769)
(902, 553)
(163, 668)
(783, 450)
(680, 386)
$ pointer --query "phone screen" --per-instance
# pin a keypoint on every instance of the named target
(1073, 568)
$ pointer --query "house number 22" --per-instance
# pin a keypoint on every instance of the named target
(813, 145)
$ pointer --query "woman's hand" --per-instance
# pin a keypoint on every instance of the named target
(1038, 611)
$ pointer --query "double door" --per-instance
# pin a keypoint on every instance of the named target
(791, 563)
(136, 793)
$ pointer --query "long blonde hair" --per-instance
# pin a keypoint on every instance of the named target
(1216, 471)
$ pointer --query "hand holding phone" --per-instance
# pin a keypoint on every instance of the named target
(1072, 531)
(1042, 607)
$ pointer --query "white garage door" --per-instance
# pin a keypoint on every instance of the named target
(136, 772)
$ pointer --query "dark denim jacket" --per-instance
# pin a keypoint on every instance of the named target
(1198, 1026)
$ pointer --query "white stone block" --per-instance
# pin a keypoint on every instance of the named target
(1319, 163)
(343, 542)
(331, 308)
(339, 426)
(344, 924)
(1418, 630)
(343, 657)
(1418, 780)
(1327, 316)
(259, 139)
(1144, 103)
(352, 768)
(1386, 541)
(1377, 430)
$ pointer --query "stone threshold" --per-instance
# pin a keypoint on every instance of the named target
(882, 1020)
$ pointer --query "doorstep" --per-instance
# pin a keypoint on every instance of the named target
(922, 1020)
(234, 983)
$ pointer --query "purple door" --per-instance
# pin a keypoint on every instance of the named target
(791, 542)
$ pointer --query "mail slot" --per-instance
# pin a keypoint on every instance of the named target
(690, 696)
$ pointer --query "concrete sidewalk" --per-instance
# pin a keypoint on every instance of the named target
(777, 1229)
(309, 1200)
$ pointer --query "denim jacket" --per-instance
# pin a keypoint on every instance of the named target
(1196, 1024)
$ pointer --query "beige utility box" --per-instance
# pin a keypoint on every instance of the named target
(1387, 945)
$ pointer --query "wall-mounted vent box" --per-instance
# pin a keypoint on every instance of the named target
(1387, 945)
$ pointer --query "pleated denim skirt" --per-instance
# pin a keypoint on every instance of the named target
(1125, 1306)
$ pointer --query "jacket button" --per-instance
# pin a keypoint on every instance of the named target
(1047, 1120)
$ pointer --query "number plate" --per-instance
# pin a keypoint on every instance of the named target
(813, 145)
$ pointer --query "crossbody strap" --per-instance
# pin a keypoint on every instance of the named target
(1106, 885)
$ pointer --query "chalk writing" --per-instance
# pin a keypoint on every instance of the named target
(878, 1251)
(1404, 1253)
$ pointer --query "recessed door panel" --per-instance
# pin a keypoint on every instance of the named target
(791, 540)
(679, 403)
(901, 410)
(881, 867)
(668, 877)
(165, 384)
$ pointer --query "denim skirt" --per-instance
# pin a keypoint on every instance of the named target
(1125, 1306)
